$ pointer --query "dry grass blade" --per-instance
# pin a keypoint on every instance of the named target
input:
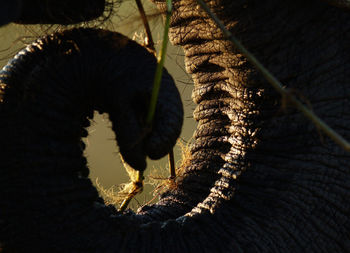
(149, 41)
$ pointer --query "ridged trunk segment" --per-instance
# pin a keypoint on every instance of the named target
(293, 184)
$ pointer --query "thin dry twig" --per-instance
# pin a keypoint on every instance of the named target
(149, 42)
(277, 85)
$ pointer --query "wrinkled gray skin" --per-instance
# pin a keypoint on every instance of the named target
(261, 178)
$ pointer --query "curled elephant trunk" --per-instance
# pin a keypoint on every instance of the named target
(62, 78)
(259, 178)
(47, 93)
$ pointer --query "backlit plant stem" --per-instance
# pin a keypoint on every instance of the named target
(157, 81)
(160, 65)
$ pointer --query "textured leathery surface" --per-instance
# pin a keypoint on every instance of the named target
(261, 178)
(293, 182)
(47, 93)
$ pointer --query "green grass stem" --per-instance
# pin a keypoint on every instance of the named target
(160, 65)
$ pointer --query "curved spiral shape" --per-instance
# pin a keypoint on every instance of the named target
(258, 179)
(48, 92)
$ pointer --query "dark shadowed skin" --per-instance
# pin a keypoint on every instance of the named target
(60, 12)
(51, 11)
(261, 178)
(9, 11)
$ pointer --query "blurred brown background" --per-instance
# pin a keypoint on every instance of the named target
(102, 151)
